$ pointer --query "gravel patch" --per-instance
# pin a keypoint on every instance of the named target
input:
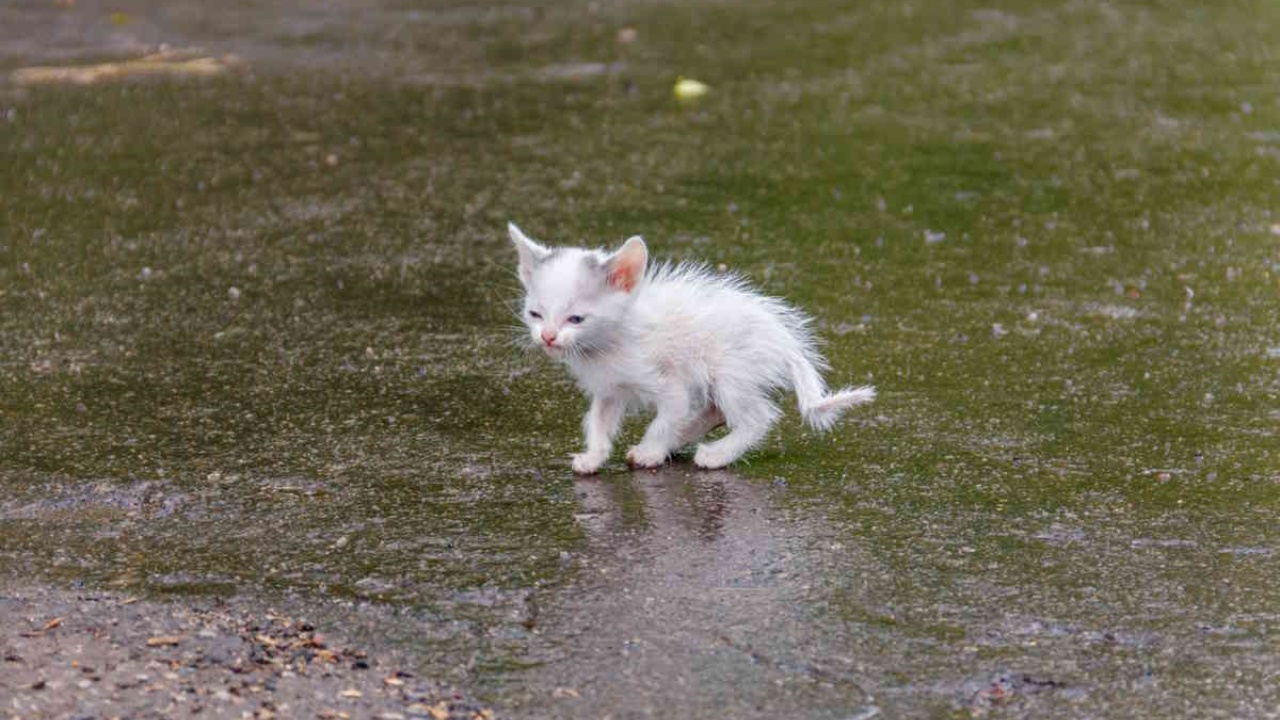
(66, 654)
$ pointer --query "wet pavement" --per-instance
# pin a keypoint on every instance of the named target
(257, 342)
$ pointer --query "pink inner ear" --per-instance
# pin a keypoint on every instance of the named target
(623, 275)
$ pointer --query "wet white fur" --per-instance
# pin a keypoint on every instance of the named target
(699, 349)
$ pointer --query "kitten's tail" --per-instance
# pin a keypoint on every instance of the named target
(820, 408)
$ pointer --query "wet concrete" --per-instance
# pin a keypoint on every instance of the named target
(694, 598)
(256, 341)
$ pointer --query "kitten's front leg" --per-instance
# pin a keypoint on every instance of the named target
(663, 434)
(599, 425)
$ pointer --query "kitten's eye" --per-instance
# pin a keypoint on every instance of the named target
(535, 315)
(575, 319)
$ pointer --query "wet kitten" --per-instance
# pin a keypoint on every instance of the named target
(699, 349)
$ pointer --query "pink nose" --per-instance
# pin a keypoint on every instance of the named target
(548, 336)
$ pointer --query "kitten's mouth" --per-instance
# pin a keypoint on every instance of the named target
(553, 350)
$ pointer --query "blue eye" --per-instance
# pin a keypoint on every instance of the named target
(575, 319)
(535, 315)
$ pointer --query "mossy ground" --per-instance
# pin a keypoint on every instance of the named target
(255, 337)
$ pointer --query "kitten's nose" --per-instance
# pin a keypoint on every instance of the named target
(548, 336)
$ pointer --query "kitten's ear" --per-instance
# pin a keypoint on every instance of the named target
(625, 268)
(531, 253)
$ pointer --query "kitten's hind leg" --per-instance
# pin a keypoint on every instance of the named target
(749, 418)
(664, 433)
(706, 421)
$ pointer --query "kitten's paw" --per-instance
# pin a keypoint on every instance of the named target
(588, 463)
(710, 457)
(641, 456)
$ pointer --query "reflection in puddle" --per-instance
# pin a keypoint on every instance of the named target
(691, 600)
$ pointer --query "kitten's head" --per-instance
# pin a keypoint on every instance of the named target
(575, 299)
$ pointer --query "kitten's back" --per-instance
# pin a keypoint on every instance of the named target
(717, 318)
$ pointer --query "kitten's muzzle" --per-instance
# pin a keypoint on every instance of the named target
(549, 337)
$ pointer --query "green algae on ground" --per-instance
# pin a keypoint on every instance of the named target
(255, 336)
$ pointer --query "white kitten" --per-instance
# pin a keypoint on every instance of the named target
(699, 349)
